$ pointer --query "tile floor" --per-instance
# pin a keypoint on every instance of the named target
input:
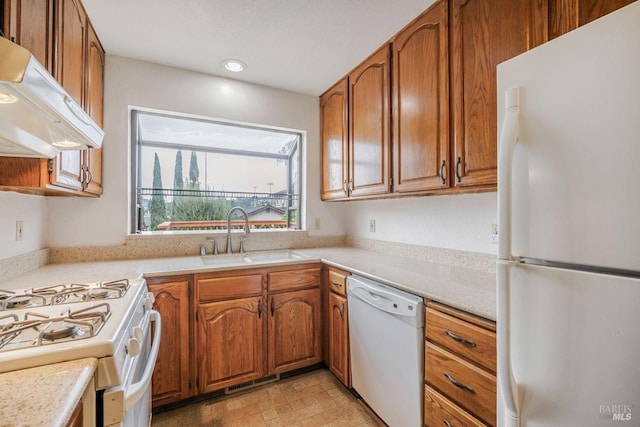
(312, 399)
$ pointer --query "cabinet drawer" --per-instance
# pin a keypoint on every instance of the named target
(338, 281)
(467, 340)
(438, 411)
(469, 386)
(293, 279)
(220, 288)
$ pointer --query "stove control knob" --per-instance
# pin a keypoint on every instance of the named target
(137, 333)
(133, 347)
(149, 300)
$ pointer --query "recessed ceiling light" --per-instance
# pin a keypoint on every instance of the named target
(234, 65)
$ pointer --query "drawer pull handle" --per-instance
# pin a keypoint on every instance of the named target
(447, 423)
(457, 384)
(336, 284)
(460, 340)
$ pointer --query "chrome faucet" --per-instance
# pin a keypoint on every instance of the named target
(246, 228)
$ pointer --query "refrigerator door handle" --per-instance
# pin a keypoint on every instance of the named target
(508, 140)
(506, 382)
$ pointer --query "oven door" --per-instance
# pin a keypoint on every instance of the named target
(129, 405)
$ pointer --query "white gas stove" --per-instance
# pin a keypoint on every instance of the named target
(109, 321)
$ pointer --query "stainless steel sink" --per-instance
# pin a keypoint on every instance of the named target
(274, 256)
(224, 259)
(252, 258)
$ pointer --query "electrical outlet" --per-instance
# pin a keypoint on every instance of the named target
(19, 230)
(372, 226)
(316, 223)
(493, 237)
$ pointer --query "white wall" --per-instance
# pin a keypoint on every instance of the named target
(32, 210)
(454, 222)
(129, 82)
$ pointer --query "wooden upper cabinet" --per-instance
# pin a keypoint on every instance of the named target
(71, 22)
(94, 93)
(567, 15)
(230, 343)
(421, 102)
(334, 141)
(369, 148)
(294, 330)
(29, 23)
(485, 33)
(59, 34)
(70, 30)
(171, 375)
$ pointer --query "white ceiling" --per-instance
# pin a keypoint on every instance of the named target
(299, 45)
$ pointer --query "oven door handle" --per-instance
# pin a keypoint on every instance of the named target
(134, 392)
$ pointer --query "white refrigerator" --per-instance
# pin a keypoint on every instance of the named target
(568, 284)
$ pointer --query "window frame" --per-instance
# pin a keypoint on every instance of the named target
(136, 143)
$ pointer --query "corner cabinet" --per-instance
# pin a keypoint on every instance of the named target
(172, 374)
(369, 136)
(334, 139)
(60, 35)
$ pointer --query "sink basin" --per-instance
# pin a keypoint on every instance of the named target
(273, 256)
(224, 259)
(251, 257)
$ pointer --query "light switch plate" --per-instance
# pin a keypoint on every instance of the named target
(19, 230)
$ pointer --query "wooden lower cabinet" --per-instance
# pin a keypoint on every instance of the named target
(338, 336)
(439, 411)
(230, 343)
(460, 364)
(294, 330)
(172, 376)
(253, 323)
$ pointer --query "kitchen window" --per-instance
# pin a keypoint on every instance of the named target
(187, 173)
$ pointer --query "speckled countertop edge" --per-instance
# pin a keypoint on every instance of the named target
(463, 288)
(45, 396)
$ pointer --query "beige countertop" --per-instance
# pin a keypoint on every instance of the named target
(466, 289)
(44, 396)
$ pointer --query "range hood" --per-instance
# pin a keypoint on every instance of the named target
(37, 116)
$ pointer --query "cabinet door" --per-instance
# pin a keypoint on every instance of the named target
(334, 138)
(294, 330)
(230, 344)
(567, 15)
(94, 92)
(485, 33)
(29, 23)
(70, 48)
(421, 103)
(339, 338)
(171, 375)
(70, 53)
(369, 147)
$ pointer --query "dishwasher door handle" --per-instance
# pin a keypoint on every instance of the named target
(374, 300)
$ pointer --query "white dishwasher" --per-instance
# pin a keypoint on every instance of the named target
(386, 333)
